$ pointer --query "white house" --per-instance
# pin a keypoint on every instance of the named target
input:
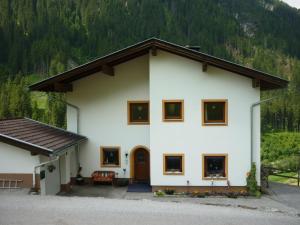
(165, 114)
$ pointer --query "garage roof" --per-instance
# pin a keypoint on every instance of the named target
(63, 82)
(37, 137)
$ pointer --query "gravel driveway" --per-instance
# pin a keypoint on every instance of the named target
(50, 210)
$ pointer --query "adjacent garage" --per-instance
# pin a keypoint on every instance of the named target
(36, 155)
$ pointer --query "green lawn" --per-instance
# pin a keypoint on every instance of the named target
(283, 179)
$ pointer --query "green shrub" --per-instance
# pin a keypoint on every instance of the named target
(169, 192)
(252, 187)
(159, 193)
(280, 149)
(232, 195)
(196, 194)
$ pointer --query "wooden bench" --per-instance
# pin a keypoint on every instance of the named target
(103, 176)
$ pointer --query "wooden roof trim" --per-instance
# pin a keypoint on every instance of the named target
(144, 47)
(93, 66)
(220, 63)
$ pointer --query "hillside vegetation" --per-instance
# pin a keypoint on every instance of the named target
(281, 150)
(40, 38)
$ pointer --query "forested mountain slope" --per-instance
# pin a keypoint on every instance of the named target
(39, 38)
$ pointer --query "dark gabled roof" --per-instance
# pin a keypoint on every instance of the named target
(37, 137)
(266, 81)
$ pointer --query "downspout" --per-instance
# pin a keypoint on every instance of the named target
(57, 157)
(77, 126)
(251, 124)
(77, 130)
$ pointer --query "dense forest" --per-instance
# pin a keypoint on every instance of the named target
(40, 38)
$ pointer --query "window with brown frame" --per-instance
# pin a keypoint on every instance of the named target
(138, 112)
(110, 156)
(173, 110)
(214, 112)
(173, 164)
(215, 166)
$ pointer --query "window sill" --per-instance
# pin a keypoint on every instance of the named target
(173, 173)
(214, 124)
(215, 178)
(110, 165)
(173, 120)
(138, 123)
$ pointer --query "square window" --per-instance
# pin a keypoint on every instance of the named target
(110, 156)
(214, 166)
(214, 112)
(173, 164)
(173, 110)
(138, 112)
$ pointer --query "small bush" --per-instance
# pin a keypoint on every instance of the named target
(243, 193)
(159, 193)
(252, 183)
(201, 195)
(232, 195)
(207, 193)
(196, 194)
(169, 192)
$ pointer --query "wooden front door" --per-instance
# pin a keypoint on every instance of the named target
(141, 165)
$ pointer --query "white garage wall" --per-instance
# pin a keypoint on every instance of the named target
(51, 184)
(175, 77)
(73, 164)
(16, 160)
(65, 166)
(102, 100)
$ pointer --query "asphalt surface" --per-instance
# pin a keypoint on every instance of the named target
(286, 194)
(50, 210)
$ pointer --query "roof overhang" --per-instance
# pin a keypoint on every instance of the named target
(34, 149)
(63, 82)
(50, 140)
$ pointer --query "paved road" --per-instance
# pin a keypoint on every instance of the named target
(286, 194)
(52, 210)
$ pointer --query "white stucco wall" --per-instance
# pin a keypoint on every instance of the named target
(61, 175)
(73, 164)
(50, 185)
(16, 160)
(102, 100)
(65, 167)
(175, 77)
